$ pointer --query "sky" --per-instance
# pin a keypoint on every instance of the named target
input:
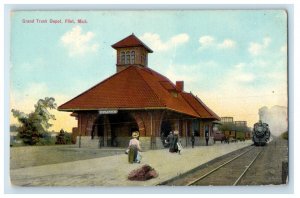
(235, 61)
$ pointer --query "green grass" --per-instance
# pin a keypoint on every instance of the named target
(26, 156)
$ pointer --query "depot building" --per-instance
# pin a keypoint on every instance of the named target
(137, 98)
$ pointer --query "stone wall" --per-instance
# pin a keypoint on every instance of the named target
(145, 143)
(202, 141)
(123, 141)
(87, 142)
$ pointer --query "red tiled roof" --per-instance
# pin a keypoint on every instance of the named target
(131, 41)
(138, 88)
(199, 106)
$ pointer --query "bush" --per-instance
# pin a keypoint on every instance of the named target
(285, 135)
(63, 137)
(46, 141)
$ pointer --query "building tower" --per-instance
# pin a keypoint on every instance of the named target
(131, 51)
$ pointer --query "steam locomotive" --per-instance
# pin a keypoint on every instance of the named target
(261, 134)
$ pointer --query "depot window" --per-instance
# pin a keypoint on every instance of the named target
(132, 60)
(122, 57)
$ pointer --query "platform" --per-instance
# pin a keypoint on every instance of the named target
(113, 170)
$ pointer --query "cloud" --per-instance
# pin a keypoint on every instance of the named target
(209, 41)
(179, 39)
(155, 42)
(227, 44)
(206, 41)
(79, 43)
(256, 49)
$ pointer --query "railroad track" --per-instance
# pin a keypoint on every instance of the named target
(225, 170)
(230, 172)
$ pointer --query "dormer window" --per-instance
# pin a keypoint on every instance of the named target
(174, 94)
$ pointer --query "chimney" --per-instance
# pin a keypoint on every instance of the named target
(179, 86)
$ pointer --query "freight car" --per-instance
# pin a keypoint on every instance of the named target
(234, 136)
(219, 136)
(261, 133)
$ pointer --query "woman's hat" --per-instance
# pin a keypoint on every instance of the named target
(135, 134)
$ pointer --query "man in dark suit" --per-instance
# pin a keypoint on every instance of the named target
(206, 135)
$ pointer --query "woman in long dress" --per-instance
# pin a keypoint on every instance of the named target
(134, 154)
(173, 144)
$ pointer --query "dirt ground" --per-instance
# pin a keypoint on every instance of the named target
(27, 156)
(267, 169)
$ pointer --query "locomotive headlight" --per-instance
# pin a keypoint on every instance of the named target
(259, 131)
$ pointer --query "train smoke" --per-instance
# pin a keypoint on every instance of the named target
(276, 117)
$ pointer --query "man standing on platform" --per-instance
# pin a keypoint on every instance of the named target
(206, 135)
(193, 139)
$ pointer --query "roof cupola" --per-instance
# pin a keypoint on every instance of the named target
(131, 51)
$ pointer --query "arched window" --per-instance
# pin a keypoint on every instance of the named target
(132, 60)
(122, 57)
(127, 59)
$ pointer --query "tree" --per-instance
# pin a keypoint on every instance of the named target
(35, 124)
(227, 127)
(242, 128)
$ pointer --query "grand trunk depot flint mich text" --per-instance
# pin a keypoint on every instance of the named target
(54, 21)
